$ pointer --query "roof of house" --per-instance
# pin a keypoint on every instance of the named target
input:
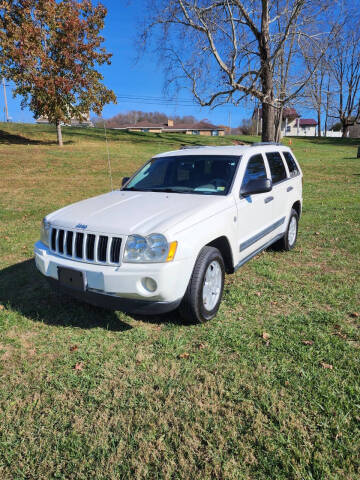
(307, 122)
(193, 126)
(180, 126)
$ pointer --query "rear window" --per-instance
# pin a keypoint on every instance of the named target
(290, 161)
(277, 167)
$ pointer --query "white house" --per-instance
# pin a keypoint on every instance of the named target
(292, 124)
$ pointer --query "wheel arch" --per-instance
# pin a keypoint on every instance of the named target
(223, 245)
(297, 207)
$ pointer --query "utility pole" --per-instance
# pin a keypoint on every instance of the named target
(5, 101)
(229, 123)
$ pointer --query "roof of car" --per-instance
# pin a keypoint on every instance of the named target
(236, 150)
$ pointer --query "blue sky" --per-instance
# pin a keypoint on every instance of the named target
(136, 79)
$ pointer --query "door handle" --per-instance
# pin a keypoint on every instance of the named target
(289, 189)
(268, 199)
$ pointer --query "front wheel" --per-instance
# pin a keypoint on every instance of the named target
(203, 295)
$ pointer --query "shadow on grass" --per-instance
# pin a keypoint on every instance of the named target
(25, 290)
(8, 138)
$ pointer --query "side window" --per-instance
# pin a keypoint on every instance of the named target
(293, 168)
(255, 169)
(277, 167)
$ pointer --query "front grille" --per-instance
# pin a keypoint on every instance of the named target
(102, 248)
(87, 247)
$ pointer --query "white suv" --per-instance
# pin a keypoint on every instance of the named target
(167, 237)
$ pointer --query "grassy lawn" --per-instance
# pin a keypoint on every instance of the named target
(270, 389)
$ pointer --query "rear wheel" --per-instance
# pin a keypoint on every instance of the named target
(289, 239)
(203, 295)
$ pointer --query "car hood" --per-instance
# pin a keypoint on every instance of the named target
(125, 213)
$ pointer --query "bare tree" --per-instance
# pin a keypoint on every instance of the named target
(345, 68)
(230, 49)
(317, 91)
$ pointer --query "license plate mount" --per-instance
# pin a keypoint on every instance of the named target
(73, 279)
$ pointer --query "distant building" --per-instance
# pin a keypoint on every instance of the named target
(83, 121)
(292, 124)
(354, 131)
(201, 128)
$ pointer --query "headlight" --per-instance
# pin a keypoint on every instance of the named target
(45, 232)
(152, 249)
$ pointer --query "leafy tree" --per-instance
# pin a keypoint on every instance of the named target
(50, 50)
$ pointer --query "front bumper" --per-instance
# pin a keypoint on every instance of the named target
(121, 287)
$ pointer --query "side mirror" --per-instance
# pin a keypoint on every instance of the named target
(261, 185)
(124, 180)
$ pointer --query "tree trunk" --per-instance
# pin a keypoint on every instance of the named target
(59, 134)
(278, 128)
(268, 123)
(319, 122)
(345, 131)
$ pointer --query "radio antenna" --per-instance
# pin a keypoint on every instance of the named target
(108, 156)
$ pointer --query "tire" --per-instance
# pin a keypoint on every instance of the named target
(200, 302)
(289, 239)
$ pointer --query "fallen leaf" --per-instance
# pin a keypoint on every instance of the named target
(339, 334)
(326, 365)
(258, 294)
(200, 346)
(184, 355)
(265, 336)
(2, 307)
(139, 357)
(307, 342)
(317, 233)
(354, 315)
(73, 348)
(79, 366)
(7, 238)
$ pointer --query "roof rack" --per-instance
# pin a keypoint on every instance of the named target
(185, 147)
(259, 144)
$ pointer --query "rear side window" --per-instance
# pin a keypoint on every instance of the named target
(255, 169)
(277, 167)
(293, 168)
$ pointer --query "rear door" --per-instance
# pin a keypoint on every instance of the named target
(278, 197)
(294, 184)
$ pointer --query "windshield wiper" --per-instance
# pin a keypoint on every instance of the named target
(172, 190)
(160, 189)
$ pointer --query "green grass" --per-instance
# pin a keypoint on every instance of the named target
(239, 404)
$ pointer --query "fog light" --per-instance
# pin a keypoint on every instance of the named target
(149, 284)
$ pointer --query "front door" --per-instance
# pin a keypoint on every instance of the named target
(255, 216)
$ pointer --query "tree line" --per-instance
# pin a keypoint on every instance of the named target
(134, 117)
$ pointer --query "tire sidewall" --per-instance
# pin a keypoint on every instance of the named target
(203, 312)
(287, 244)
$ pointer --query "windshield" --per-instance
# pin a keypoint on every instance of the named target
(196, 174)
